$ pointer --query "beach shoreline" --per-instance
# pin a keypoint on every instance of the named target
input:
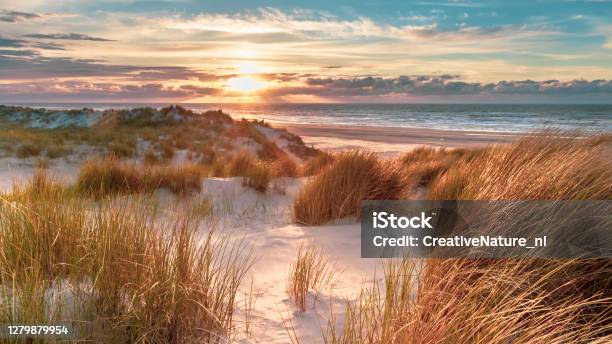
(391, 140)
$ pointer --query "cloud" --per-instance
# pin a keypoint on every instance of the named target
(270, 25)
(14, 16)
(18, 43)
(87, 91)
(11, 43)
(68, 36)
(38, 67)
(47, 46)
(444, 85)
(14, 53)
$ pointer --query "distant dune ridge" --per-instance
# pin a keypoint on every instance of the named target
(129, 132)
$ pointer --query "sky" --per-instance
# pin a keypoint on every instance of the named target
(306, 51)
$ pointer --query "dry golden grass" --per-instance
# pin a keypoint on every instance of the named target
(118, 271)
(255, 173)
(311, 271)
(422, 165)
(549, 165)
(456, 301)
(111, 176)
(498, 300)
(286, 167)
(238, 164)
(315, 164)
(338, 190)
(28, 149)
(258, 177)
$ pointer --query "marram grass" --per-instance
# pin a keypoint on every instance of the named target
(115, 268)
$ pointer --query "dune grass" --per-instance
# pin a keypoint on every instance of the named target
(28, 149)
(286, 167)
(311, 271)
(338, 190)
(424, 164)
(255, 173)
(548, 165)
(115, 269)
(455, 301)
(498, 300)
(112, 176)
(57, 151)
(258, 177)
(316, 163)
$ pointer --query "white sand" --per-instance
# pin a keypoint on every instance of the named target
(263, 220)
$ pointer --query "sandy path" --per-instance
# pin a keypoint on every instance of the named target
(264, 222)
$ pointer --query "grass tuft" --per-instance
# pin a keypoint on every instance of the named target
(424, 164)
(258, 177)
(286, 167)
(338, 190)
(549, 165)
(317, 163)
(27, 150)
(111, 176)
(311, 271)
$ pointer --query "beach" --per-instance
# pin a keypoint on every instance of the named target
(272, 188)
(389, 141)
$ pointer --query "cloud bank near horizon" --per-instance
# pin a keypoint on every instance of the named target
(147, 83)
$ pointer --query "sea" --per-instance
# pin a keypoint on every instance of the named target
(467, 117)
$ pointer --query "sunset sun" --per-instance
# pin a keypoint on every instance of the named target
(246, 84)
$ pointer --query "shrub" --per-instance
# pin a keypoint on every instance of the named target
(338, 190)
(27, 150)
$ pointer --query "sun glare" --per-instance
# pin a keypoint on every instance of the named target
(246, 84)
